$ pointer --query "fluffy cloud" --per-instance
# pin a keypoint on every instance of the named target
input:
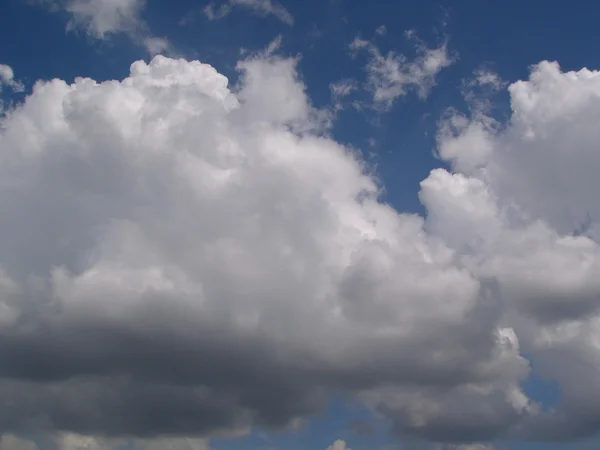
(392, 75)
(215, 11)
(183, 257)
(522, 211)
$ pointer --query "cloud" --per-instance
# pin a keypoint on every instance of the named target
(66, 441)
(11, 442)
(521, 205)
(485, 77)
(340, 90)
(181, 257)
(338, 445)
(215, 11)
(156, 45)
(392, 75)
(7, 79)
(381, 30)
(101, 19)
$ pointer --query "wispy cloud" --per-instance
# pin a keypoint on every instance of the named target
(7, 79)
(215, 11)
(101, 19)
(392, 75)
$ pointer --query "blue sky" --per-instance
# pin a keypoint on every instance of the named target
(402, 141)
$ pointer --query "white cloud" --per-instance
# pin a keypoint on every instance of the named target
(342, 88)
(221, 263)
(485, 77)
(156, 45)
(7, 79)
(216, 11)
(381, 30)
(524, 214)
(101, 19)
(392, 75)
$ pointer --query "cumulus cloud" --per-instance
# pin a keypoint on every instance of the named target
(216, 11)
(181, 257)
(392, 75)
(524, 194)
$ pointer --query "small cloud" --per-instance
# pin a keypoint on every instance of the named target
(213, 11)
(391, 75)
(273, 46)
(358, 44)
(478, 89)
(485, 77)
(101, 19)
(342, 88)
(7, 79)
(381, 30)
(315, 33)
(156, 45)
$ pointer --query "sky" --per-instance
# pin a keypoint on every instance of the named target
(291, 225)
